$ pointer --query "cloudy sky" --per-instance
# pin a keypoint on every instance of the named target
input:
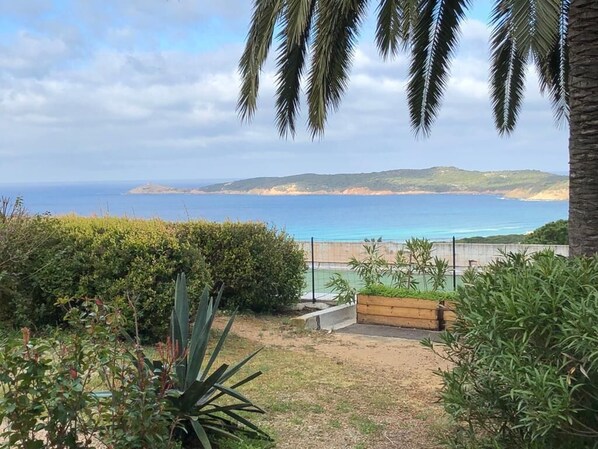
(146, 90)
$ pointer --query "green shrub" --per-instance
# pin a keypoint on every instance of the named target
(22, 237)
(524, 349)
(394, 292)
(47, 401)
(114, 259)
(553, 233)
(261, 268)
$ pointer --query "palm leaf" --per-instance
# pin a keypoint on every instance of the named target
(434, 40)
(534, 23)
(259, 40)
(292, 53)
(336, 28)
(553, 68)
(507, 72)
(396, 19)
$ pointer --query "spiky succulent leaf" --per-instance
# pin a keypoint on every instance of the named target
(202, 436)
(199, 338)
(219, 345)
(435, 38)
(198, 389)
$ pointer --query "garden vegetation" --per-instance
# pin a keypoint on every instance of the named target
(134, 262)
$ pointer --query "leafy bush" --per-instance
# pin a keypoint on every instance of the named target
(47, 401)
(524, 349)
(48, 398)
(553, 233)
(345, 294)
(116, 259)
(20, 240)
(262, 268)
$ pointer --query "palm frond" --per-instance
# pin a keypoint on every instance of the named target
(336, 28)
(553, 68)
(296, 30)
(534, 24)
(434, 40)
(396, 18)
(507, 72)
(266, 13)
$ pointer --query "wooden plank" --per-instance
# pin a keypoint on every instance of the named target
(413, 303)
(397, 311)
(396, 321)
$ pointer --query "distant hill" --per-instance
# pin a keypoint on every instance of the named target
(521, 184)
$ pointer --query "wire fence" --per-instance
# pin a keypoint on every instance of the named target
(324, 258)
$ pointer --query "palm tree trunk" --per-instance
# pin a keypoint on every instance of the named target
(583, 124)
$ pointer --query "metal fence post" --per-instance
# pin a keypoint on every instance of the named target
(313, 273)
(454, 264)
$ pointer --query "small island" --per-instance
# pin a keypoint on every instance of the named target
(530, 185)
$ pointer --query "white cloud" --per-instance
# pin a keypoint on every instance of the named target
(108, 99)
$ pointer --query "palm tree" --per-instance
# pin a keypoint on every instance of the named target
(560, 37)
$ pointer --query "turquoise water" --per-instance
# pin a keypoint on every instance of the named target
(324, 217)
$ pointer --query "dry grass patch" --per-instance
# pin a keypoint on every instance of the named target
(318, 396)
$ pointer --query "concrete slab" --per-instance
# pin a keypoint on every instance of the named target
(333, 318)
(377, 330)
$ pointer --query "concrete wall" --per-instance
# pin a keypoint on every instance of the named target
(467, 254)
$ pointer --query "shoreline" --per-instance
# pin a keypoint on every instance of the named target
(514, 195)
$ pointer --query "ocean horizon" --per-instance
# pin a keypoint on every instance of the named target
(323, 217)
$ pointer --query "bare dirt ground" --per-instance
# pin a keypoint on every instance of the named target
(392, 387)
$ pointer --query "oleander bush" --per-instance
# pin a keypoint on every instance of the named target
(262, 268)
(525, 354)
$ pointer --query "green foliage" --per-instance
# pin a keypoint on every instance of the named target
(261, 268)
(47, 399)
(394, 292)
(524, 354)
(203, 405)
(119, 260)
(553, 233)
(97, 386)
(502, 239)
(345, 294)
(20, 241)
(372, 268)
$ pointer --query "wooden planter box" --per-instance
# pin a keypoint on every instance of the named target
(448, 314)
(402, 312)
(405, 312)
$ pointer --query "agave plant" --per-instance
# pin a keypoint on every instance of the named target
(201, 401)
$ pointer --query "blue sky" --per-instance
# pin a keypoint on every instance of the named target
(146, 90)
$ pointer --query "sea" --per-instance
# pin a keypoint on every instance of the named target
(321, 217)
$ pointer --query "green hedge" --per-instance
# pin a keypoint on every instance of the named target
(119, 260)
(525, 355)
(261, 268)
(123, 260)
